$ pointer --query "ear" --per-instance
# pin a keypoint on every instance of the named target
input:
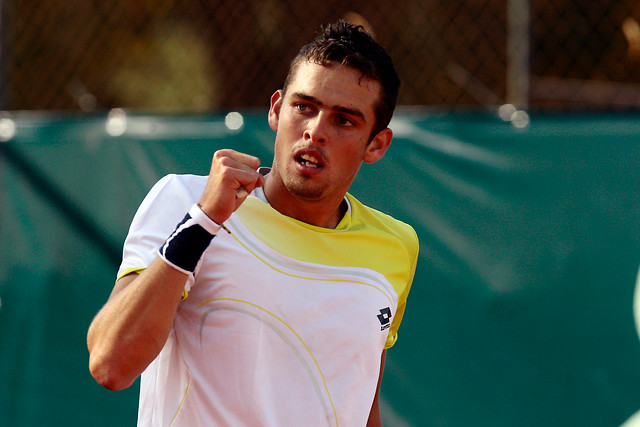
(378, 146)
(274, 109)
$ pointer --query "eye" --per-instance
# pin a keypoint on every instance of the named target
(345, 121)
(301, 107)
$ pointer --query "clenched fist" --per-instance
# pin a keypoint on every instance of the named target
(232, 178)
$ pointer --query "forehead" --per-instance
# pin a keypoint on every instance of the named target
(335, 84)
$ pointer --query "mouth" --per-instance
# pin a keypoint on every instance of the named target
(309, 161)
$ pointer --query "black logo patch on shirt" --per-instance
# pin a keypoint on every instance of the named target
(385, 318)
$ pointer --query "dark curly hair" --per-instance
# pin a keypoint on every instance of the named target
(350, 45)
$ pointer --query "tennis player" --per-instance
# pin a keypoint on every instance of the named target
(268, 296)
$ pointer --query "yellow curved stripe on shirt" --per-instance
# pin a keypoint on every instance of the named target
(366, 239)
(272, 266)
(282, 336)
(184, 396)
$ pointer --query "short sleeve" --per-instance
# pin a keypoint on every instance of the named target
(412, 245)
(157, 216)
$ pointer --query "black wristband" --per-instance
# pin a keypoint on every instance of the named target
(185, 246)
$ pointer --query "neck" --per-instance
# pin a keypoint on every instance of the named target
(321, 213)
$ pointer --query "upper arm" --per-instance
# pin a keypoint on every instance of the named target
(132, 327)
(122, 283)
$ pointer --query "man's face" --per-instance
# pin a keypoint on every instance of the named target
(323, 125)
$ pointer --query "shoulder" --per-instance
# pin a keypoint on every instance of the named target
(192, 184)
(385, 223)
(163, 207)
(171, 197)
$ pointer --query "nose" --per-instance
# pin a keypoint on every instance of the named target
(317, 129)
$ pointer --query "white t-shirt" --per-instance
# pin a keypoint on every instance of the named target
(284, 322)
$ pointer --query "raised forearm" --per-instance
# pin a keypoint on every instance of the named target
(133, 326)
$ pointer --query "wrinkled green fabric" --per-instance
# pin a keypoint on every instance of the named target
(521, 309)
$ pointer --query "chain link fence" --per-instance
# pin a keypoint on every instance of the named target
(195, 56)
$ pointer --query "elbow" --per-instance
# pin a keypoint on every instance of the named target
(109, 374)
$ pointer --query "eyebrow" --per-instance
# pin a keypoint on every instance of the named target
(309, 98)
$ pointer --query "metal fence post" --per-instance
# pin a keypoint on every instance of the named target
(518, 30)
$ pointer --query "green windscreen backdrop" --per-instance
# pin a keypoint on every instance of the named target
(521, 309)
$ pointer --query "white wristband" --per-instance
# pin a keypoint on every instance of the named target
(203, 219)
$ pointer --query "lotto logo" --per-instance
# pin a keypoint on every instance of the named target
(385, 318)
